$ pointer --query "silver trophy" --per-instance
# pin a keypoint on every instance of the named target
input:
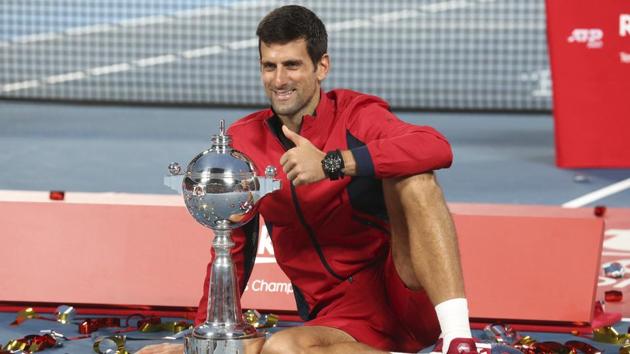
(220, 189)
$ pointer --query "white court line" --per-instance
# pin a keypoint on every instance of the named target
(77, 31)
(395, 15)
(37, 37)
(57, 79)
(162, 59)
(20, 85)
(247, 43)
(462, 26)
(348, 25)
(143, 21)
(109, 69)
(198, 12)
(242, 5)
(445, 6)
(202, 52)
(598, 194)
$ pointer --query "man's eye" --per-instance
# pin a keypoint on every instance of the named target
(268, 67)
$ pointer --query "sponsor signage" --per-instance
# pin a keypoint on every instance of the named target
(589, 52)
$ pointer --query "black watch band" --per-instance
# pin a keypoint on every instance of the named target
(333, 165)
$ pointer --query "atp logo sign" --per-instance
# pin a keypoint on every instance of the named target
(592, 37)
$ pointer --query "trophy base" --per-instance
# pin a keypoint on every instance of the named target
(249, 345)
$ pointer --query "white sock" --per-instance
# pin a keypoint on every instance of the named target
(453, 317)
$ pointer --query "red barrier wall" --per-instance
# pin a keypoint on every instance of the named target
(519, 263)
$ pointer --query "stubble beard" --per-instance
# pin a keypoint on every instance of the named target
(287, 109)
(292, 109)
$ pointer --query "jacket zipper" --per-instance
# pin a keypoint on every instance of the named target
(306, 226)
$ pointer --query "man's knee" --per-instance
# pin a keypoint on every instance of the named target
(283, 342)
(407, 197)
(423, 184)
(413, 195)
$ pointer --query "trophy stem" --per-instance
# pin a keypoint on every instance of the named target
(224, 301)
(224, 319)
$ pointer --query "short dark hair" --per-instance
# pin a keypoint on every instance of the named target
(291, 22)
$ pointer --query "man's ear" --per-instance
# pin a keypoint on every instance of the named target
(323, 67)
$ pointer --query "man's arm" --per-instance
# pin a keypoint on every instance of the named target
(392, 148)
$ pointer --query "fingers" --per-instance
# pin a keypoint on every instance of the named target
(302, 164)
(288, 161)
(302, 168)
(291, 167)
(294, 177)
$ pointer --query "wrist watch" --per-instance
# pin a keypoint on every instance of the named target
(333, 165)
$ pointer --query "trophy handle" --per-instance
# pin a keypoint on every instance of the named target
(174, 182)
(268, 183)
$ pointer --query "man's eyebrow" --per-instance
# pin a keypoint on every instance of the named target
(292, 62)
(285, 63)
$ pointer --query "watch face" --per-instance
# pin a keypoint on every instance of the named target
(332, 165)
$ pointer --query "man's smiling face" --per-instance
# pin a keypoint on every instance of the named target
(291, 80)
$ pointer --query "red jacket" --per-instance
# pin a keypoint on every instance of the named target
(325, 232)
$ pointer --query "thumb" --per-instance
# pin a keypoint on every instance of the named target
(296, 138)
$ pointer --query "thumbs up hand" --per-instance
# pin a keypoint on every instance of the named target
(303, 163)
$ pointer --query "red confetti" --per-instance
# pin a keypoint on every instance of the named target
(57, 195)
(599, 211)
(94, 324)
(582, 347)
(613, 296)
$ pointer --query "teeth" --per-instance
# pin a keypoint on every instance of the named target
(283, 94)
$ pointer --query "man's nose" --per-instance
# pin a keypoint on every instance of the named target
(281, 78)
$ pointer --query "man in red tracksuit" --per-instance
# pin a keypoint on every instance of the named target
(360, 225)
